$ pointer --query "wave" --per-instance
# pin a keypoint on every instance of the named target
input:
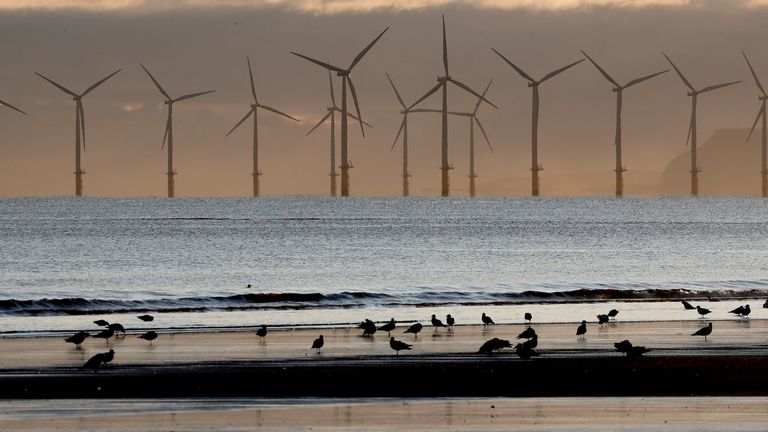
(255, 301)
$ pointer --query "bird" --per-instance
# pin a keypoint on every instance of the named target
(146, 318)
(687, 305)
(94, 362)
(533, 342)
(105, 334)
(528, 317)
(765, 305)
(487, 321)
(262, 332)
(524, 352)
(436, 323)
(742, 311)
(527, 333)
(388, 327)
(702, 311)
(398, 345)
(492, 345)
(747, 311)
(149, 336)
(602, 319)
(368, 326)
(318, 343)
(637, 351)
(117, 327)
(77, 338)
(623, 346)
(704, 331)
(108, 357)
(450, 321)
(582, 330)
(612, 313)
(101, 323)
(415, 329)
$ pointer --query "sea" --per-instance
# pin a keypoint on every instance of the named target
(223, 263)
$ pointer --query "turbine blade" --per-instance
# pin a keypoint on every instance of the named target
(81, 115)
(400, 99)
(445, 49)
(319, 123)
(645, 78)
(330, 81)
(318, 62)
(754, 75)
(466, 88)
(477, 105)
(349, 114)
(191, 95)
(718, 86)
(167, 129)
(482, 129)
(559, 71)
(424, 110)
(426, 95)
(60, 87)
(463, 114)
(250, 74)
(365, 51)
(2, 102)
(514, 66)
(269, 108)
(399, 131)
(682, 77)
(245, 117)
(602, 71)
(100, 82)
(357, 106)
(159, 87)
(760, 112)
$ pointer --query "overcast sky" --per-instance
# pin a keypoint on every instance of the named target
(197, 45)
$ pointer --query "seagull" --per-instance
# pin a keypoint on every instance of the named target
(623, 346)
(687, 305)
(398, 345)
(702, 311)
(486, 320)
(742, 310)
(524, 352)
(765, 305)
(388, 327)
(101, 323)
(492, 345)
(437, 323)
(747, 311)
(146, 318)
(149, 336)
(105, 334)
(528, 317)
(94, 362)
(704, 331)
(318, 343)
(602, 319)
(527, 333)
(369, 328)
(117, 327)
(77, 338)
(612, 313)
(108, 357)
(262, 332)
(582, 330)
(532, 343)
(449, 319)
(415, 329)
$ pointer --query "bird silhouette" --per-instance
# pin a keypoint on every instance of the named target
(702, 311)
(117, 327)
(623, 346)
(108, 356)
(105, 334)
(318, 343)
(398, 345)
(415, 329)
(765, 305)
(528, 317)
(436, 323)
(262, 332)
(533, 342)
(612, 313)
(743, 311)
(450, 321)
(602, 319)
(524, 352)
(99, 360)
(582, 329)
(146, 318)
(527, 333)
(77, 338)
(747, 311)
(487, 321)
(704, 331)
(687, 305)
(629, 350)
(101, 323)
(492, 345)
(368, 326)
(388, 327)
(149, 336)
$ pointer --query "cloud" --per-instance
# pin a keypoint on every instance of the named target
(130, 107)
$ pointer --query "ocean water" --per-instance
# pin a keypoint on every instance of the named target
(323, 261)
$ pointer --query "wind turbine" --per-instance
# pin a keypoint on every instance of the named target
(692, 128)
(534, 85)
(473, 118)
(442, 82)
(619, 89)
(332, 110)
(169, 127)
(2, 102)
(254, 107)
(79, 123)
(760, 115)
(346, 80)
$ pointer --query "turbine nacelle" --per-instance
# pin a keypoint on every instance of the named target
(533, 84)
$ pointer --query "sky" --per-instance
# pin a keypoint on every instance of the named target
(196, 45)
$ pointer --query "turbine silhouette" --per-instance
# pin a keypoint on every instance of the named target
(619, 90)
(169, 127)
(760, 116)
(254, 111)
(79, 123)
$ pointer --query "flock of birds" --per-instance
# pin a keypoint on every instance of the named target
(525, 349)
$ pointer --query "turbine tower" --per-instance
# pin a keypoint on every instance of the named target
(692, 128)
(79, 123)
(619, 89)
(332, 110)
(534, 85)
(254, 107)
(168, 135)
(760, 116)
(346, 80)
(473, 118)
(442, 82)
